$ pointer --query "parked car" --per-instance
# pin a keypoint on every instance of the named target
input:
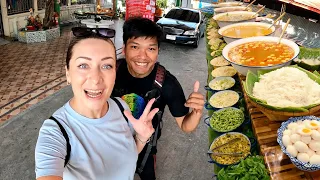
(183, 25)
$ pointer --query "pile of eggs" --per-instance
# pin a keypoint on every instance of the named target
(302, 140)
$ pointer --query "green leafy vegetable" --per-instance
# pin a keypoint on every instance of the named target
(252, 168)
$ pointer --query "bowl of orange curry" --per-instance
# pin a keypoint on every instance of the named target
(260, 53)
(237, 31)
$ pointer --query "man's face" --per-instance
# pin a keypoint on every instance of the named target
(141, 55)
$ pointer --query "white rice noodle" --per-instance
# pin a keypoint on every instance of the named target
(287, 87)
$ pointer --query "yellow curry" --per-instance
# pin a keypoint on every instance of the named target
(246, 31)
(261, 53)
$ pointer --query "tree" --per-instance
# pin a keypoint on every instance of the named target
(49, 12)
(162, 3)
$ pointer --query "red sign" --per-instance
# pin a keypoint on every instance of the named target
(140, 8)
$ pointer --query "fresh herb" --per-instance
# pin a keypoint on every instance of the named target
(252, 168)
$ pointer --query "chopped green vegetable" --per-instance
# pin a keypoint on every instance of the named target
(252, 168)
(226, 119)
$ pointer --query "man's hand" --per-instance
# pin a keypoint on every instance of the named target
(143, 126)
(195, 100)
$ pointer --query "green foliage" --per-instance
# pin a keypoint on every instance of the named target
(162, 3)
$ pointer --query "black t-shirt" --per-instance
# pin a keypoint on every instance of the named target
(171, 91)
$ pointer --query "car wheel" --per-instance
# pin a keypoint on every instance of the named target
(196, 43)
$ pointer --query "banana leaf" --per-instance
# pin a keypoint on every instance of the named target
(316, 73)
(253, 78)
(309, 53)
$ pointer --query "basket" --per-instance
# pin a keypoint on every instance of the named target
(274, 115)
(300, 165)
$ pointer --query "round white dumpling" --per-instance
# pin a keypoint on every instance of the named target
(295, 137)
(310, 152)
(314, 145)
(292, 126)
(305, 139)
(286, 140)
(303, 157)
(292, 151)
(315, 135)
(315, 159)
(301, 147)
(287, 132)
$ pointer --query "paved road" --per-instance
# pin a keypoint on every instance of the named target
(180, 156)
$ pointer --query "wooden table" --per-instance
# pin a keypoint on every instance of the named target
(277, 163)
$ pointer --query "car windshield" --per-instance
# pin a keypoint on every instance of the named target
(183, 15)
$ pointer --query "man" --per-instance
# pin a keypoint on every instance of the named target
(140, 78)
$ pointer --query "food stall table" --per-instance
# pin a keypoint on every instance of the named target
(277, 163)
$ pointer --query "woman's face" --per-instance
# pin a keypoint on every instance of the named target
(92, 73)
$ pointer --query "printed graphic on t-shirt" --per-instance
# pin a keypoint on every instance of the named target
(136, 104)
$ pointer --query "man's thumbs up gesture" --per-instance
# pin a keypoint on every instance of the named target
(195, 100)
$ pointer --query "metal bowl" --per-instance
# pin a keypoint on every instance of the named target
(243, 69)
(235, 13)
(229, 39)
(229, 9)
(251, 143)
(227, 4)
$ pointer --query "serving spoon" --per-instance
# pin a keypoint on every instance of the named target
(284, 30)
(258, 11)
(221, 154)
(275, 21)
(250, 4)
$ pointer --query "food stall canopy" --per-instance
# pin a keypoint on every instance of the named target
(312, 5)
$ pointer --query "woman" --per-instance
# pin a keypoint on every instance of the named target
(102, 144)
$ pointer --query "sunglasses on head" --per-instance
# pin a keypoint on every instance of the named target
(85, 32)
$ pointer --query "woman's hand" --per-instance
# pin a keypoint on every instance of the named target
(143, 126)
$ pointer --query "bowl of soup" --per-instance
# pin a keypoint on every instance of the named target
(237, 31)
(229, 9)
(227, 18)
(262, 52)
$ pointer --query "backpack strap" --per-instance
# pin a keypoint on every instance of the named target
(158, 82)
(65, 135)
(120, 107)
(160, 76)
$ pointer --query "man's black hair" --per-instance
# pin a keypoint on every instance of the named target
(141, 27)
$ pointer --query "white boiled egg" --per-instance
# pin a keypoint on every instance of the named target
(313, 124)
(292, 151)
(292, 126)
(304, 132)
(303, 157)
(287, 132)
(315, 135)
(305, 139)
(294, 138)
(286, 140)
(301, 147)
(314, 145)
(305, 122)
(310, 152)
(315, 159)
(299, 122)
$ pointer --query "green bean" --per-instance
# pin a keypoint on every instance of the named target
(226, 119)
